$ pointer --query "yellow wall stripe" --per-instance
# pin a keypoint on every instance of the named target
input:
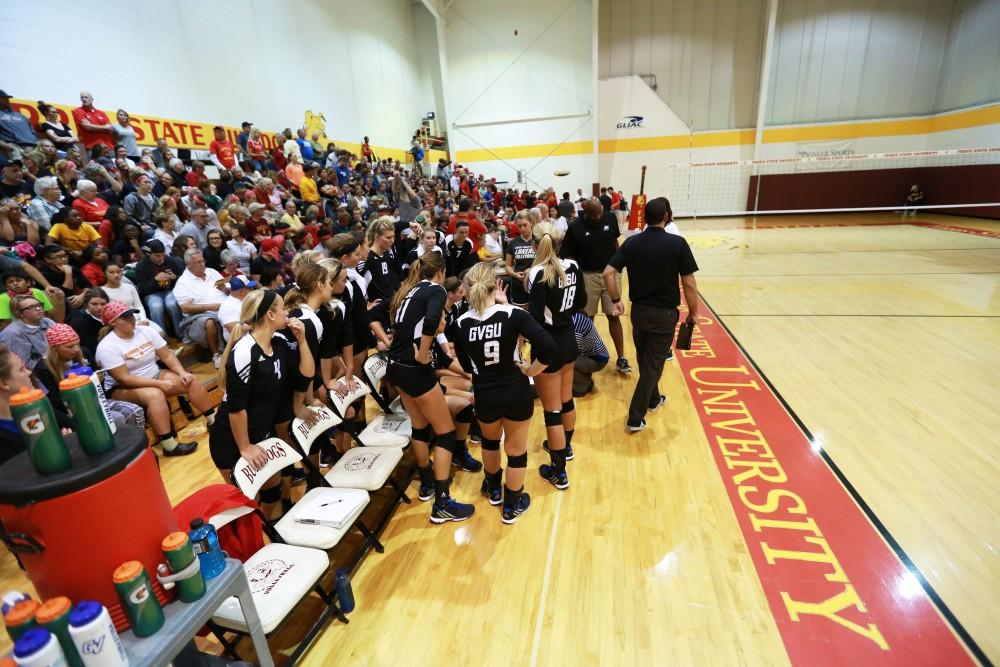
(533, 150)
(826, 132)
(677, 141)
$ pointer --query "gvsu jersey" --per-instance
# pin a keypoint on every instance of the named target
(419, 315)
(554, 306)
(486, 344)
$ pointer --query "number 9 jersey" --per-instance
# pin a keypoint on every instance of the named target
(486, 344)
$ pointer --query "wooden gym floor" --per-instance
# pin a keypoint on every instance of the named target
(881, 338)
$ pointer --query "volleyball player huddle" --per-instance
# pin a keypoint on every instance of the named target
(487, 339)
(287, 354)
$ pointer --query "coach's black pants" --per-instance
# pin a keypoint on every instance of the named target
(652, 333)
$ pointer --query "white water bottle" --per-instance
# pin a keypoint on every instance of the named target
(94, 636)
(38, 648)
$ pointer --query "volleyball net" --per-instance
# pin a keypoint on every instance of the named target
(960, 181)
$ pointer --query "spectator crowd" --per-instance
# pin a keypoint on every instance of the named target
(109, 249)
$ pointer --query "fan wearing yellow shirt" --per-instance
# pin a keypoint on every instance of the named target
(69, 231)
(307, 186)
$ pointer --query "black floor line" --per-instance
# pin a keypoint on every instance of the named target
(868, 315)
(948, 615)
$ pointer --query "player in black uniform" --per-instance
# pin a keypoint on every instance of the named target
(486, 343)
(381, 271)
(416, 312)
(337, 358)
(262, 374)
(459, 253)
(307, 301)
(519, 255)
(556, 291)
(428, 243)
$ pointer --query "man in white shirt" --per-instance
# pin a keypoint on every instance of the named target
(291, 147)
(229, 311)
(199, 296)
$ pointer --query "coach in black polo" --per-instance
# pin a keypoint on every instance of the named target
(592, 239)
(654, 259)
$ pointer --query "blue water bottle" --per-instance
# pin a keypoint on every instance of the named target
(345, 594)
(206, 544)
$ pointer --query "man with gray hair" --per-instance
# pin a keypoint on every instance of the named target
(199, 296)
(177, 172)
(159, 152)
(200, 225)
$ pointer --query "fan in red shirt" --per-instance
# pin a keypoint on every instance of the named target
(278, 154)
(223, 151)
(197, 173)
(93, 125)
(476, 228)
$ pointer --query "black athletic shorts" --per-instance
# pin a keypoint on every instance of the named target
(516, 293)
(222, 445)
(513, 402)
(566, 351)
(414, 381)
(284, 411)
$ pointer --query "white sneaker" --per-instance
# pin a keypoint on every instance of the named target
(217, 359)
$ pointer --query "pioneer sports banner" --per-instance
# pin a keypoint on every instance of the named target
(840, 595)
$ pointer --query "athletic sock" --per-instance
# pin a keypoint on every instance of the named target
(493, 479)
(210, 417)
(558, 457)
(569, 438)
(441, 492)
(511, 498)
(169, 442)
(426, 475)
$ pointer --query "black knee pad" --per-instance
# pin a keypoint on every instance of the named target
(553, 418)
(271, 495)
(569, 406)
(422, 434)
(445, 441)
(490, 445)
(519, 461)
(466, 415)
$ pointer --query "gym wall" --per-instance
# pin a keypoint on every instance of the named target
(357, 64)
(496, 78)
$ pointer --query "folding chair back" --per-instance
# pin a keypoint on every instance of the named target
(279, 456)
(306, 435)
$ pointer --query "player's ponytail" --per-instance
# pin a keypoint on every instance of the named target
(480, 282)
(307, 280)
(546, 254)
(424, 268)
(255, 307)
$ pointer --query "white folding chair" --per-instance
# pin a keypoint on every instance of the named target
(280, 576)
(306, 437)
(291, 531)
(385, 430)
(392, 424)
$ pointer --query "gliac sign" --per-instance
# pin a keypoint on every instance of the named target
(629, 121)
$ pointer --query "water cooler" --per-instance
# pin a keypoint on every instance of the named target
(70, 530)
